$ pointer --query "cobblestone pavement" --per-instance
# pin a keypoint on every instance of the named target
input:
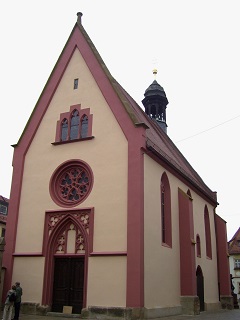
(220, 315)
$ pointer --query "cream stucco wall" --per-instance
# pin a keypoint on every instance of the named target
(28, 271)
(107, 159)
(108, 278)
(161, 264)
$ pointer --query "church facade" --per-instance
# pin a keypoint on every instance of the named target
(106, 216)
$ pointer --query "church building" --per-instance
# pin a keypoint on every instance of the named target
(106, 216)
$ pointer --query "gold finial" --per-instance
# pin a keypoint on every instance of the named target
(155, 73)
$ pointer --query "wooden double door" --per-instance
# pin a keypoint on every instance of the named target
(68, 284)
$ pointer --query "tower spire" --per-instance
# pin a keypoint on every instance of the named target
(155, 103)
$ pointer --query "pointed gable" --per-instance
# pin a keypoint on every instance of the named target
(234, 244)
(125, 109)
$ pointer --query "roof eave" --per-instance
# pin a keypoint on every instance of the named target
(184, 175)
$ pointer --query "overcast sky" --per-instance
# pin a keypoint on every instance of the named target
(193, 44)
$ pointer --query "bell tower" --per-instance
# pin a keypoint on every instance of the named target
(155, 103)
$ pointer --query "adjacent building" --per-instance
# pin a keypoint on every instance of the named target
(106, 214)
(234, 262)
(3, 215)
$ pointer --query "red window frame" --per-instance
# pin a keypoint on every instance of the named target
(71, 183)
(166, 216)
(66, 118)
(207, 233)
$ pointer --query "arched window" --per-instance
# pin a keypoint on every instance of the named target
(207, 233)
(84, 126)
(74, 130)
(166, 220)
(198, 246)
(189, 193)
(74, 125)
(64, 130)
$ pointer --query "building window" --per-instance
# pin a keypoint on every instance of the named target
(84, 126)
(236, 263)
(64, 130)
(74, 129)
(74, 125)
(71, 183)
(3, 232)
(166, 220)
(3, 209)
(75, 84)
(207, 233)
(198, 246)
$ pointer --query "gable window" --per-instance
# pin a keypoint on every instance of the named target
(236, 263)
(198, 246)
(166, 220)
(74, 125)
(207, 233)
(3, 209)
(84, 126)
(3, 232)
(64, 130)
(75, 84)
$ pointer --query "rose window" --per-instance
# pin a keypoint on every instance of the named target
(71, 183)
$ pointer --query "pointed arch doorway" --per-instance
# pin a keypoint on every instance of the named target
(200, 287)
(68, 284)
(67, 244)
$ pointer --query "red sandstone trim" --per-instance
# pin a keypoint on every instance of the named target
(187, 246)
(67, 115)
(71, 141)
(135, 137)
(113, 253)
(11, 230)
(167, 211)
(222, 257)
(54, 185)
(28, 254)
(135, 222)
(49, 246)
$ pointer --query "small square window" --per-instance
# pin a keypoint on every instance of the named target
(3, 209)
(3, 232)
(75, 85)
(237, 264)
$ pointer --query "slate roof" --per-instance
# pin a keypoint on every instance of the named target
(3, 199)
(160, 143)
(234, 243)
